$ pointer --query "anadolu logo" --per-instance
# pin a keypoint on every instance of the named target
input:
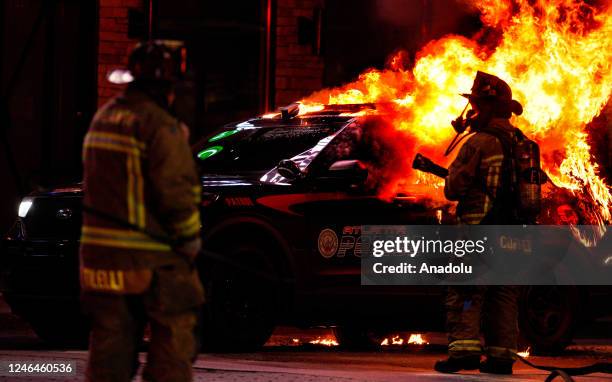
(328, 243)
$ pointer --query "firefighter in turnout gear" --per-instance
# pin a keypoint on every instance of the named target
(481, 181)
(138, 169)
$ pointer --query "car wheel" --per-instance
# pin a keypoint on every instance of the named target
(548, 316)
(241, 308)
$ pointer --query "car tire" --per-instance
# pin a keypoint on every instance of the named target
(240, 311)
(548, 316)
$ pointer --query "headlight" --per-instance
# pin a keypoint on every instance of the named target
(24, 207)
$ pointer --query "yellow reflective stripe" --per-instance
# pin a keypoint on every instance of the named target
(120, 239)
(110, 146)
(465, 345)
(189, 226)
(486, 204)
(464, 342)
(130, 190)
(118, 243)
(101, 231)
(118, 138)
(479, 215)
(492, 176)
(197, 193)
(140, 206)
(465, 348)
(493, 158)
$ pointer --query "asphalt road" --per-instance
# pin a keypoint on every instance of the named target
(290, 356)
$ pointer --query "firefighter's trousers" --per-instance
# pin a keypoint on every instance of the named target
(118, 323)
(494, 308)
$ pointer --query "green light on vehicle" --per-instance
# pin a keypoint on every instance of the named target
(222, 135)
(210, 151)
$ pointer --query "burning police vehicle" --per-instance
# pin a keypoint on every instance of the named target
(284, 199)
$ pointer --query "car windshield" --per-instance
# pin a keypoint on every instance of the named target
(257, 149)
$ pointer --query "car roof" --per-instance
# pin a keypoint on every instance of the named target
(309, 115)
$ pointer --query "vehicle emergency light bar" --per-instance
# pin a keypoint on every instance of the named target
(290, 111)
(293, 110)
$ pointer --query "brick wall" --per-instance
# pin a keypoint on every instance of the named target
(114, 44)
(298, 71)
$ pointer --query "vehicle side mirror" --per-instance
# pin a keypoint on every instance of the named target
(289, 169)
(352, 170)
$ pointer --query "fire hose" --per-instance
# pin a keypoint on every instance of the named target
(566, 372)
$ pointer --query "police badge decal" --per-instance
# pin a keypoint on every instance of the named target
(328, 243)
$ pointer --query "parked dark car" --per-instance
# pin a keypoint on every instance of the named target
(284, 197)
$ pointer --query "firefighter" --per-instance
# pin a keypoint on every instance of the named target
(480, 181)
(140, 178)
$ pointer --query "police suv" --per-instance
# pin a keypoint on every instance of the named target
(284, 198)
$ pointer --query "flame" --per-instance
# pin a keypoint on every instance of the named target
(524, 354)
(417, 339)
(309, 108)
(270, 115)
(326, 341)
(397, 340)
(555, 54)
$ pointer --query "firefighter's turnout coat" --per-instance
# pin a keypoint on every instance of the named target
(138, 168)
(475, 176)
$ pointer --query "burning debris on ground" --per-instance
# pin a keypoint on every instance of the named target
(415, 339)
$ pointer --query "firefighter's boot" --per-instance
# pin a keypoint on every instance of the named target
(455, 364)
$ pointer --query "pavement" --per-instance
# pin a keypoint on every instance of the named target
(290, 356)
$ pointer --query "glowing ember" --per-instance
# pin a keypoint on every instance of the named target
(525, 353)
(325, 341)
(555, 54)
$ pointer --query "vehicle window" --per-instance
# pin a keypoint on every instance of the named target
(257, 149)
(349, 144)
(372, 141)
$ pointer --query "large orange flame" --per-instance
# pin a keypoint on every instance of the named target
(555, 54)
